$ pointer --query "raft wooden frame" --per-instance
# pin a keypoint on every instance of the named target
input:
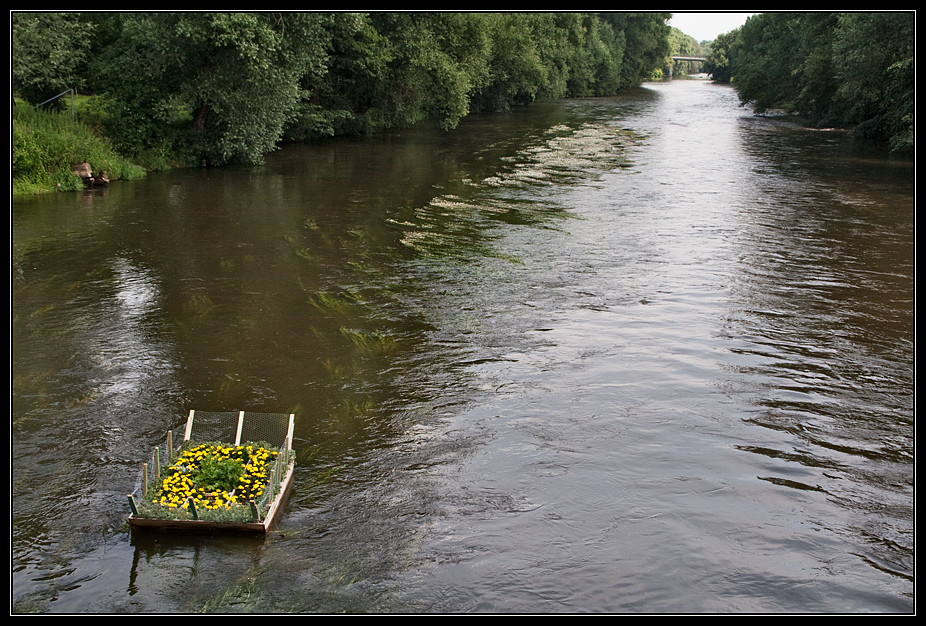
(198, 525)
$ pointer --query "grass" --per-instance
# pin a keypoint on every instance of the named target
(46, 145)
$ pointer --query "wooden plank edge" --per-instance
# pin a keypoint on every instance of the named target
(277, 505)
(194, 525)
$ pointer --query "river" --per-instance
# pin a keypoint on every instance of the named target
(641, 354)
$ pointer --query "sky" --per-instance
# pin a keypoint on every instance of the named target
(706, 26)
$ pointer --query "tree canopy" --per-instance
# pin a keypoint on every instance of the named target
(223, 85)
(49, 50)
(836, 69)
(220, 87)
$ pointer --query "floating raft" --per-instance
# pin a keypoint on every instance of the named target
(274, 434)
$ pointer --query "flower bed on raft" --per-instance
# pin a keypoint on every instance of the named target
(215, 482)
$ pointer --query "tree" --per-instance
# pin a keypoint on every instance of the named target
(596, 63)
(608, 57)
(681, 44)
(545, 56)
(816, 80)
(874, 61)
(48, 52)
(516, 73)
(646, 43)
(837, 69)
(764, 73)
(216, 88)
(434, 63)
(343, 96)
(721, 56)
(226, 85)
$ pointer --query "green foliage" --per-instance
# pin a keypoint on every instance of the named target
(218, 474)
(646, 38)
(681, 44)
(765, 74)
(341, 97)
(221, 87)
(389, 70)
(216, 88)
(721, 56)
(428, 65)
(836, 69)
(201, 88)
(875, 73)
(325, 74)
(48, 51)
(516, 70)
(546, 56)
(45, 145)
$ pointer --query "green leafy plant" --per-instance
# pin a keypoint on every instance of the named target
(218, 474)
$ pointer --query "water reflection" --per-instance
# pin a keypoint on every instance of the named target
(188, 565)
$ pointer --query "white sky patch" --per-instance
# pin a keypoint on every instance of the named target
(705, 26)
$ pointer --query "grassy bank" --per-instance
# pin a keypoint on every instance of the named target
(46, 145)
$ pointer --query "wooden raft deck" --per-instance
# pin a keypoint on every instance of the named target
(272, 515)
(193, 525)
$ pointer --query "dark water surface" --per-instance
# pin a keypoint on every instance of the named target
(641, 354)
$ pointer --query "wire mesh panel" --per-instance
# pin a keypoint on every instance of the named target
(212, 426)
(239, 427)
(274, 428)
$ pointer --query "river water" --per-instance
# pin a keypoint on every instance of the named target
(642, 354)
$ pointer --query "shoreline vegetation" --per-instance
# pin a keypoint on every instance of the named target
(46, 146)
(166, 90)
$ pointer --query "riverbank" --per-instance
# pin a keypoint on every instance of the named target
(45, 147)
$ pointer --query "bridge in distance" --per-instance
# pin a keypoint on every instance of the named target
(683, 58)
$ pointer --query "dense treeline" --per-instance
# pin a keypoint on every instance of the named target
(216, 88)
(836, 69)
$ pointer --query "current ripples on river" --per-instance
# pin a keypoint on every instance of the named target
(639, 354)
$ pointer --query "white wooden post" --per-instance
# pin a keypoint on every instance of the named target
(189, 426)
(240, 425)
